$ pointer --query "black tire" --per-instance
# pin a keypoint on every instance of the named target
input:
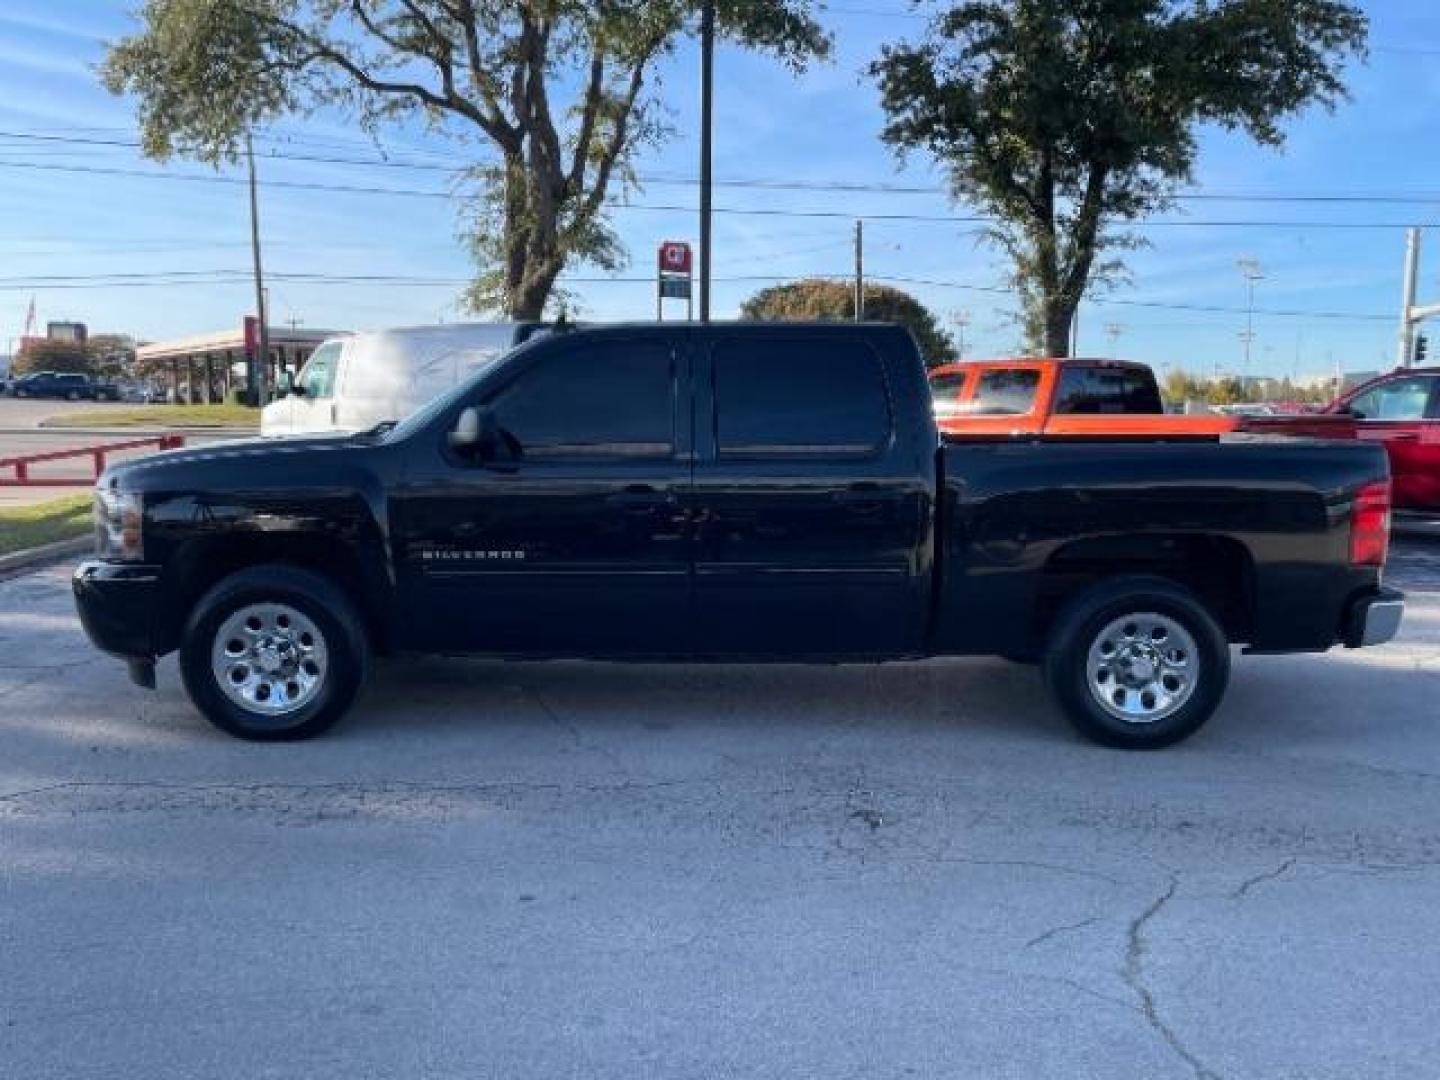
(72, 396)
(22, 393)
(318, 600)
(1081, 625)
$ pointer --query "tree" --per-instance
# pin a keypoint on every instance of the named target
(111, 355)
(107, 355)
(819, 298)
(46, 354)
(555, 88)
(1180, 387)
(1066, 118)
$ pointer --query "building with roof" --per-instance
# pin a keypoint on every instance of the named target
(207, 367)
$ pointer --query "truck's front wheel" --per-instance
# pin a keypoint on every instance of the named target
(1137, 663)
(273, 652)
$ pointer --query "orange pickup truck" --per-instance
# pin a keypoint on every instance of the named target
(1068, 398)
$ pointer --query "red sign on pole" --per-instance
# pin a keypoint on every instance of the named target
(675, 257)
(252, 335)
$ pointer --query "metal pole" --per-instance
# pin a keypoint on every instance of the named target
(859, 271)
(258, 370)
(707, 80)
(1407, 300)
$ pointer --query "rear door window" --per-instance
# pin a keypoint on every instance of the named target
(789, 397)
(1091, 391)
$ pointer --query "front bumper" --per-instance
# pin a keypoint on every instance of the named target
(118, 603)
(1374, 619)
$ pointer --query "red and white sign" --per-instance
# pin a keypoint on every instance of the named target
(675, 257)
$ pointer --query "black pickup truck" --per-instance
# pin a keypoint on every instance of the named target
(735, 492)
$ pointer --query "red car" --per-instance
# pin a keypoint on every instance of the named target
(1401, 410)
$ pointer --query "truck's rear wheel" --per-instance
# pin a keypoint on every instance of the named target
(1137, 663)
(273, 652)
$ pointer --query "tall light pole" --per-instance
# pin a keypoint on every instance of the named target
(1113, 331)
(961, 319)
(707, 83)
(1250, 271)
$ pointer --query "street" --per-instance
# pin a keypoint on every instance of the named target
(572, 869)
(20, 435)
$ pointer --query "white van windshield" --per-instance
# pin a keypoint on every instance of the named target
(436, 405)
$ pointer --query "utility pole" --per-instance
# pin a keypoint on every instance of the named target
(1250, 271)
(707, 84)
(259, 369)
(859, 271)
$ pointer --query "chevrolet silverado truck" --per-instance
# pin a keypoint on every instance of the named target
(744, 492)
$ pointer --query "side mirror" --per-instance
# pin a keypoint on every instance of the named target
(466, 433)
(286, 385)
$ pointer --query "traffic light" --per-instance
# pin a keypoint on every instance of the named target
(1422, 345)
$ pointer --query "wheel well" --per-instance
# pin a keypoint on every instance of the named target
(1217, 569)
(204, 564)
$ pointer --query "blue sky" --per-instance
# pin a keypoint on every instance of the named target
(57, 222)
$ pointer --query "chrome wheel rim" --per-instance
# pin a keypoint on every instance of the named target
(1142, 667)
(269, 659)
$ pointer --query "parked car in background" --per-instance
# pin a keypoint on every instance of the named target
(356, 382)
(749, 491)
(1399, 411)
(1070, 397)
(66, 386)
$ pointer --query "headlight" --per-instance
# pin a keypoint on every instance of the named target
(118, 525)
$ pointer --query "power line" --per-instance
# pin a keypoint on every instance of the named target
(613, 204)
(760, 183)
(225, 276)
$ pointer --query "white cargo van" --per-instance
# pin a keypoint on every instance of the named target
(353, 383)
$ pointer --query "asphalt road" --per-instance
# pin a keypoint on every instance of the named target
(568, 869)
(20, 436)
(27, 412)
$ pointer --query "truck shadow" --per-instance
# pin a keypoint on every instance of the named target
(976, 694)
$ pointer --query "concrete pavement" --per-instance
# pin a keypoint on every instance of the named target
(589, 870)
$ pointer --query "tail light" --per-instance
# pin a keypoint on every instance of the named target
(1370, 525)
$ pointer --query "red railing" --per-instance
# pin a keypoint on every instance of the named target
(97, 454)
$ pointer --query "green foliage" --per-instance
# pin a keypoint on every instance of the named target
(554, 90)
(1066, 118)
(47, 355)
(818, 298)
(104, 355)
(23, 527)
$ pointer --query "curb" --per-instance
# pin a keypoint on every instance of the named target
(22, 562)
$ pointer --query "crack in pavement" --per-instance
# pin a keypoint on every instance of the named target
(1243, 889)
(573, 730)
(1056, 931)
(1134, 975)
